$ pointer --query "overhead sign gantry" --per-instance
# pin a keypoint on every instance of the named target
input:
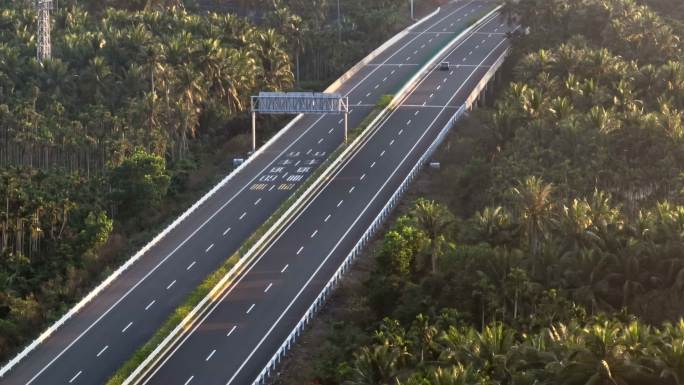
(298, 103)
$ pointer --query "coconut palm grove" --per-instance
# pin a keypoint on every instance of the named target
(547, 249)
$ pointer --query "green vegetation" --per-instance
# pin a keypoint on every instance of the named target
(98, 146)
(557, 255)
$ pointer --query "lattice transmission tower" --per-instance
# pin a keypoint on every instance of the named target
(44, 44)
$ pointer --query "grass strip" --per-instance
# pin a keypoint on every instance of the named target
(214, 278)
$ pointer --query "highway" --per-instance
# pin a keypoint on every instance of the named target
(94, 343)
(243, 329)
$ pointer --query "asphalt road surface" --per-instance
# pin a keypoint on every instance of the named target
(245, 328)
(93, 344)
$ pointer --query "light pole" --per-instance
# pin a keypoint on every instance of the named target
(412, 18)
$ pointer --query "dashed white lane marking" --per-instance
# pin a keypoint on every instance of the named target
(268, 287)
(422, 46)
(401, 131)
(408, 58)
(314, 233)
(257, 201)
(284, 268)
(300, 250)
(451, 73)
(368, 94)
(102, 351)
(477, 46)
(330, 131)
(415, 52)
(190, 265)
(382, 153)
(272, 187)
(250, 308)
(409, 122)
(359, 103)
(464, 59)
(189, 379)
(351, 190)
(384, 80)
(75, 377)
(416, 113)
(209, 248)
(470, 53)
(243, 215)
(149, 305)
(340, 203)
(231, 331)
(320, 140)
(392, 142)
(340, 121)
(431, 95)
(309, 152)
(376, 86)
(362, 177)
(393, 71)
(438, 87)
(483, 41)
(227, 231)
(372, 165)
(210, 355)
(171, 285)
(327, 218)
(445, 80)
(127, 326)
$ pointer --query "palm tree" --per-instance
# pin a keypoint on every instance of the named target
(434, 219)
(375, 365)
(532, 199)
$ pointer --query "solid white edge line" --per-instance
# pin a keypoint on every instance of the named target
(342, 238)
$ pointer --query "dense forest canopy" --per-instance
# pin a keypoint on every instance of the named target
(557, 255)
(104, 130)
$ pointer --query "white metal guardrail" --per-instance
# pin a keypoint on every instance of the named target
(113, 276)
(205, 304)
(195, 314)
(374, 226)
